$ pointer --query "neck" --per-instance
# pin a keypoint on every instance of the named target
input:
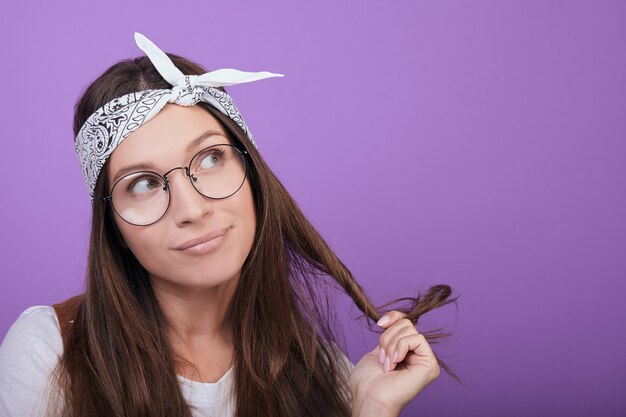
(199, 327)
(196, 313)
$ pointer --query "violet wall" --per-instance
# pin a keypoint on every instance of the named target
(480, 144)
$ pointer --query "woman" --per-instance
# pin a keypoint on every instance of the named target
(205, 281)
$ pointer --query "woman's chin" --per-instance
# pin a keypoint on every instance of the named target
(195, 282)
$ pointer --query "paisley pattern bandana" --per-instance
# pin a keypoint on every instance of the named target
(109, 125)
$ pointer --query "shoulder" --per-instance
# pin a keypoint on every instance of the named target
(28, 354)
(36, 329)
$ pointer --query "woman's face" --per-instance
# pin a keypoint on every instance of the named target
(165, 142)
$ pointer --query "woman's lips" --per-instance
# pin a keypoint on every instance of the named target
(202, 245)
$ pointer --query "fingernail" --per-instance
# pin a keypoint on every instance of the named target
(381, 356)
(387, 364)
(395, 357)
(383, 320)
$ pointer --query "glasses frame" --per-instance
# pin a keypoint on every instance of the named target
(190, 176)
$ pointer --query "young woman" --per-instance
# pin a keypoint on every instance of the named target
(205, 281)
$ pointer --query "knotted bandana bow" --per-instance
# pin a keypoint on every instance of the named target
(109, 125)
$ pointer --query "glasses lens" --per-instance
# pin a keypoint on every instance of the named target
(139, 198)
(218, 171)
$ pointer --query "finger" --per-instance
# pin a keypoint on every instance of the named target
(404, 346)
(415, 349)
(393, 346)
(388, 337)
(388, 334)
(420, 347)
(387, 341)
(389, 318)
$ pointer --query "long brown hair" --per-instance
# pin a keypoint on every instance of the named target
(118, 362)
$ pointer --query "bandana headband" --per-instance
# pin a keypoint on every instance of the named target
(109, 125)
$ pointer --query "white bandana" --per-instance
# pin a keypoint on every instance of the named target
(108, 126)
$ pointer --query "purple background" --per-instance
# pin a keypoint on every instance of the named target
(479, 144)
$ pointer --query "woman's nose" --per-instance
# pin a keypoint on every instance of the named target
(186, 204)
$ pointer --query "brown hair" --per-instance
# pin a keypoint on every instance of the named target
(117, 360)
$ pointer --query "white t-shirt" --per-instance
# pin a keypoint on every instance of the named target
(31, 349)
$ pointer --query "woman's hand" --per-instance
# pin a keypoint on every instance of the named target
(386, 379)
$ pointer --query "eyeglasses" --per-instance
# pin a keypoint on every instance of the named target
(142, 198)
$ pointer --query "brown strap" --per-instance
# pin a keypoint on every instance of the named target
(66, 314)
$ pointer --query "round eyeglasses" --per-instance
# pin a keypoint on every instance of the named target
(142, 198)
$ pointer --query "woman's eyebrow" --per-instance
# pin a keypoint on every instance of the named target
(131, 168)
(195, 143)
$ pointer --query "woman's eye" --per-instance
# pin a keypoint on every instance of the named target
(211, 159)
(144, 185)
